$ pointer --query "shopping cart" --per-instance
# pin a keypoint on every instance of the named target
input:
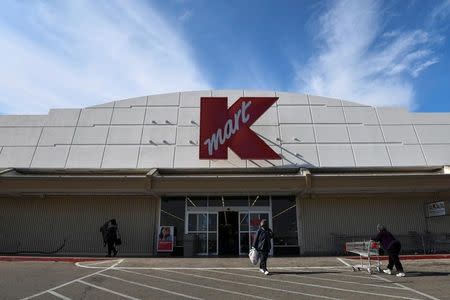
(367, 249)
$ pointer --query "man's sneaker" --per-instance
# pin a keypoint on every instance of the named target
(388, 271)
(401, 274)
(266, 272)
(262, 271)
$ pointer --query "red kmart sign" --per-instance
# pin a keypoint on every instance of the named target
(222, 128)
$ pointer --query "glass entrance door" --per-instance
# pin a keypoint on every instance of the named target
(225, 225)
(204, 226)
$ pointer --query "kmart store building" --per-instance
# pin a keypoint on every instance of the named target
(210, 164)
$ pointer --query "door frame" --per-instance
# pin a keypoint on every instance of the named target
(213, 210)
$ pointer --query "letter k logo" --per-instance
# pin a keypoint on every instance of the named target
(222, 128)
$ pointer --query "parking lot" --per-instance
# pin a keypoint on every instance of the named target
(219, 278)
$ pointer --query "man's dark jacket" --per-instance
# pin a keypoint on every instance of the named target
(262, 241)
(386, 239)
(111, 236)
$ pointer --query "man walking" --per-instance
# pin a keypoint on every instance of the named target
(263, 244)
(392, 247)
(112, 237)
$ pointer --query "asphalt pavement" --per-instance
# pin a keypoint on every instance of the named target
(219, 278)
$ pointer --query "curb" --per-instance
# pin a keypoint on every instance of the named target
(86, 259)
(54, 259)
(410, 257)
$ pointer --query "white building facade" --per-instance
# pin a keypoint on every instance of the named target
(342, 167)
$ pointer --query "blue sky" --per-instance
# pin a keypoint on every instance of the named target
(58, 54)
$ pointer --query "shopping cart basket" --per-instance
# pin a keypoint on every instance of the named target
(365, 250)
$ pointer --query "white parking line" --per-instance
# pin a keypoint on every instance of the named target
(314, 285)
(357, 276)
(193, 284)
(397, 284)
(59, 295)
(150, 287)
(416, 291)
(368, 277)
(98, 262)
(249, 284)
(72, 281)
(107, 290)
(92, 266)
(382, 278)
(343, 281)
(408, 288)
(344, 262)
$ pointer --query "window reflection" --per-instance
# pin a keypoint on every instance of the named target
(284, 220)
(259, 201)
(196, 201)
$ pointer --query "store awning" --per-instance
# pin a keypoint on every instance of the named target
(287, 180)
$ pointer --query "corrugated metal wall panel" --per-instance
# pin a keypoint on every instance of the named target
(324, 218)
(439, 224)
(42, 224)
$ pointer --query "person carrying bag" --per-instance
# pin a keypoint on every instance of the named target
(254, 256)
(263, 245)
(113, 238)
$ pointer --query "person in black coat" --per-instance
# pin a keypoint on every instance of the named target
(392, 247)
(263, 244)
(111, 237)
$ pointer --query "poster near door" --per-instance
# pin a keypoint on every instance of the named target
(166, 238)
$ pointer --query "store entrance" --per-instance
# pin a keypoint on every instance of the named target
(224, 225)
(228, 233)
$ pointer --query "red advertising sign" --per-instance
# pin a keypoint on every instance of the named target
(222, 128)
(165, 239)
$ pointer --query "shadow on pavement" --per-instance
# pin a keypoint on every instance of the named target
(424, 274)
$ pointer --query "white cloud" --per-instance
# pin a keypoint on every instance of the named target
(359, 60)
(441, 12)
(81, 53)
(185, 16)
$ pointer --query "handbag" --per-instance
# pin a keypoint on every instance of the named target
(254, 256)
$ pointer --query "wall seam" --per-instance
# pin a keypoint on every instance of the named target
(107, 134)
(35, 149)
(142, 133)
(384, 137)
(176, 130)
(279, 130)
(314, 130)
(73, 137)
(348, 133)
(420, 143)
